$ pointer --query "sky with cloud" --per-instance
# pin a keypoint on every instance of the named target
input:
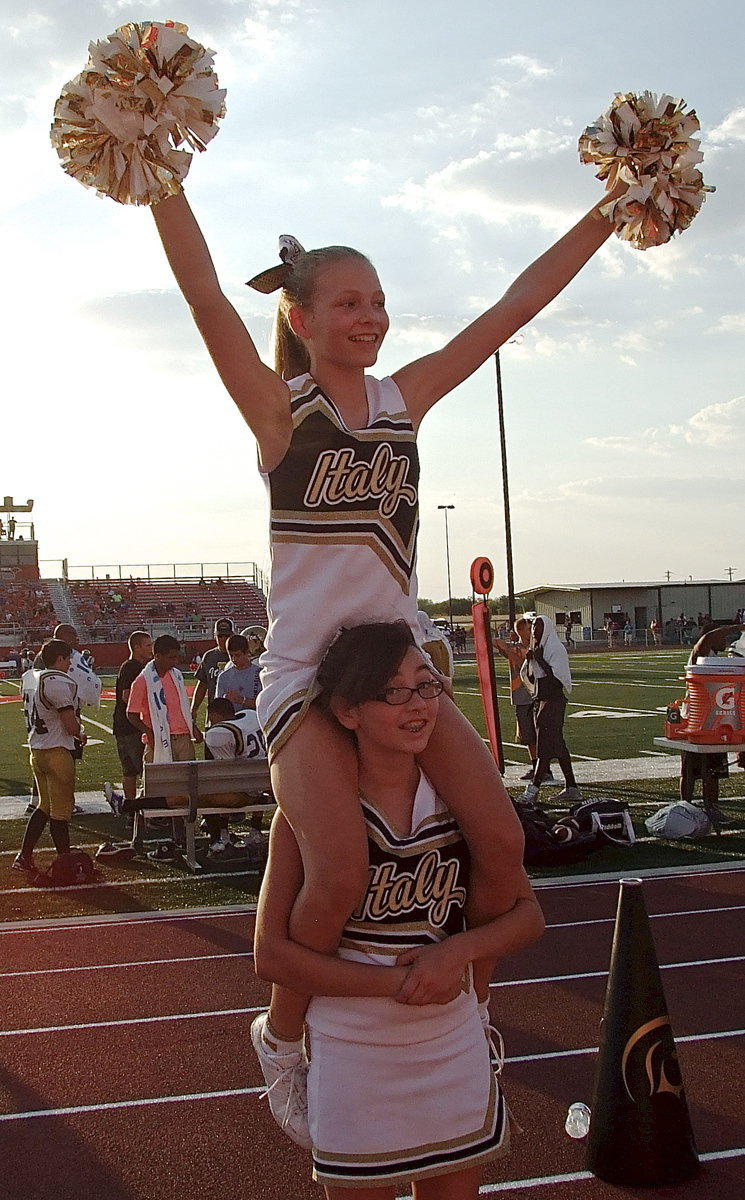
(441, 139)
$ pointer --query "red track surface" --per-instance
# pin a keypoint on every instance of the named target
(166, 1041)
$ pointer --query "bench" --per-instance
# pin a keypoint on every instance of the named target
(204, 777)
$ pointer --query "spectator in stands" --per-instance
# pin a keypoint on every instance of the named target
(240, 679)
(54, 732)
(158, 706)
(231, 734)
(129, 744)
(211, 665)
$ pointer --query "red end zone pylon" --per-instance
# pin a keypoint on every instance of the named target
(640, 1131)
(482, 581)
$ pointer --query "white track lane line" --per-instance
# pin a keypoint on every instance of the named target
(96, 1108)
(160, 962)
(551, 1054)
(193, 1016)
(260, 1089)
(701, 962)
(492, 1189)
(103, 884)
(118, 966)
(47, 925)
(689, 912)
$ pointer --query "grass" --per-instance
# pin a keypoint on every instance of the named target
(616, 709)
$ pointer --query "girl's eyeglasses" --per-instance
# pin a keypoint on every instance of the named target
(428, 690)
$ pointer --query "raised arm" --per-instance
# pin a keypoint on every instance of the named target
(261, 396)
(425, 381)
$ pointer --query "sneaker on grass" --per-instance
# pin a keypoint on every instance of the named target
(23, 864)
(529, 796)
(569, 795)
(549, 778)
(115, 800)
(286, 1077)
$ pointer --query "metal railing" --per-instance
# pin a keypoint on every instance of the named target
(187, 572)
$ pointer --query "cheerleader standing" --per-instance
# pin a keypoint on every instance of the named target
(400, 1087)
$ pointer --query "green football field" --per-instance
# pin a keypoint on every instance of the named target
(615, 710)
(616, 706)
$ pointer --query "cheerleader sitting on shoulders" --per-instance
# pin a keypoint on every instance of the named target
(400, 1087)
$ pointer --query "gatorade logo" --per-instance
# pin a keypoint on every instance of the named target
(724, 698)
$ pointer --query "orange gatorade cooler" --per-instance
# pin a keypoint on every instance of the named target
(715, 695)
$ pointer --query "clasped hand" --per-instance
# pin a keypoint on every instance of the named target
(436, 975)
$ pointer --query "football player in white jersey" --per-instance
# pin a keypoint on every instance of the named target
(231, 734)
(54, 732)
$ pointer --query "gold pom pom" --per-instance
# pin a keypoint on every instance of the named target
(144, 92)
(647, 143)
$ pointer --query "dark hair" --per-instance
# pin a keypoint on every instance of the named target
(53, 649)
(359, 663)
(137, 638)
(221, 707)
(291, 356)
(237, 641)
(165, 643)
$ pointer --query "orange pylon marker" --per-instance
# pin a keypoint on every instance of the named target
(640, 1130)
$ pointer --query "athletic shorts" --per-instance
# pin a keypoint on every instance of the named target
(549, 725)
(130, 750)
(525, 724)
(54, 772)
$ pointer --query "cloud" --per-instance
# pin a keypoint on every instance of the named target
(729, 323)
(487, 185)
(649, 442)
(639, 490)
(731, 129)
(631, 343)
(719, 426)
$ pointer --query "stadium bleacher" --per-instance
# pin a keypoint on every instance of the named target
(108, 609)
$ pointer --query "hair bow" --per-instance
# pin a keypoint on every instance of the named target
(277, 277)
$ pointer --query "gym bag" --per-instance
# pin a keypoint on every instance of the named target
(66, 870)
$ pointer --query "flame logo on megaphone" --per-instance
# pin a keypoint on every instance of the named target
(660, 1064)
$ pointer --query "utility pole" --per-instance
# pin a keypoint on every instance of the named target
(446, 508)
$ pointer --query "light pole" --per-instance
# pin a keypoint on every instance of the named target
(506, 497)
(446, 508)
